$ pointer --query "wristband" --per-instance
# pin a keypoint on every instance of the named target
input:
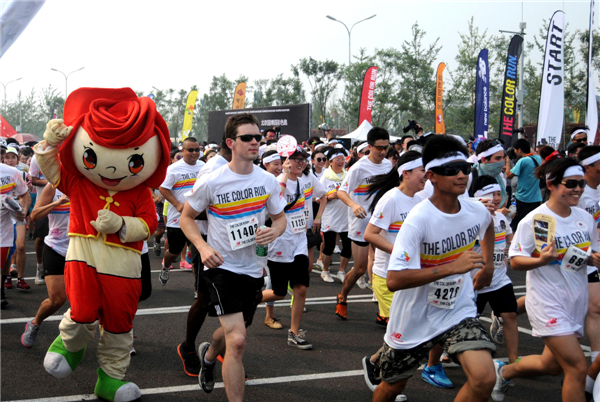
(317, 217)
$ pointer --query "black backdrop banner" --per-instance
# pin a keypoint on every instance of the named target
(508, 110)
(291, 119)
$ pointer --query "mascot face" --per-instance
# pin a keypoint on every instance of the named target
(115, 169)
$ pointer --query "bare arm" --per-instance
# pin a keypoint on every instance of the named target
(484, 277)
(44, 204)
(25, 201)
(168, 195)
(372, 235)
(38, 182)
(322, 205)
(211, 258)
(357, 210)
(522, 263)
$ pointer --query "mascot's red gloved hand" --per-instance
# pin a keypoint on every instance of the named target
(56, 132)
(107, 222)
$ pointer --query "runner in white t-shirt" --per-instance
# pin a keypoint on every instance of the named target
(429, 271)
(557, 292)
(353, 193)
(237, 197)
(41, 227)
(180, 179)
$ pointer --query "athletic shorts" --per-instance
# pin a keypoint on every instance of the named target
(232, 293)
(200, 283)
(396, 365)
(54, 263)
(383, 294)
(177, 240)
(146, 277)
(360, 243)
(593, 277)
(159, 212)
(41, 228)
(501, 300)
(296, 273)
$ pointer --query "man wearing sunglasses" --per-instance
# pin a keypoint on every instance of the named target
(579, 134)
(431, 264)
(180, 179)
(353, 193)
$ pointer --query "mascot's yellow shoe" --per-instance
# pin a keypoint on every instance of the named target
(59, 362)
(111, 389)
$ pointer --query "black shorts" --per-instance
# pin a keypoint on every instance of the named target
(360, 243)
(232, 293)
(593, 277)
(501, 300)
(396, 365)
(200, 283)
(296, 273)
(54, 263)
(41, 228)
(146, 278)
(177, 240)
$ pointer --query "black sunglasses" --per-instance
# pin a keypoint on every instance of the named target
(367, 152)
(452, 168)
(584, 139)
(320, 159)
(572, 183)
(379, 148)
(250, 137)
(192, 149)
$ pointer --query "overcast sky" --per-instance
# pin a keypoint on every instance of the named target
(177, 43)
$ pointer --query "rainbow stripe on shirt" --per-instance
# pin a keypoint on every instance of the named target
(184, 184)
(308, 193)
(500, 237)
(298, 206)
(7, 188)
(431, 261)
(362, 189)
(239, 209)
(62, 209)
(596, 216)
(561, 252)
(395, 227)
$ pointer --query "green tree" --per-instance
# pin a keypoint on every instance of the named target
(323, 77)
(278, 91)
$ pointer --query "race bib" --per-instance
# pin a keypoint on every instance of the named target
(242, 232)
(444, 292)
(498, 259)
(574, 259)
(298, 222)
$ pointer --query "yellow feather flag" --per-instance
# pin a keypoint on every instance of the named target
(239, 96)
(188, 115)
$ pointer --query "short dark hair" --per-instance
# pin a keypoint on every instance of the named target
(484, 146)
(523, 145)
(234, 122)
(441, 146)
(405, 137)
(314, 140)
(588, 151)
(544, 151)
(26, 151)
(574, 146)
(190, 139)
(377, 133)
(555, 169)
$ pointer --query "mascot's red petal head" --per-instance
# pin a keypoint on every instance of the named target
(116, 118)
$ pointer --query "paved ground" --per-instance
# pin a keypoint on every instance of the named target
(330, 372)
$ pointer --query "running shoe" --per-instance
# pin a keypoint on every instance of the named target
(273, 323)
(341, 308)
(369, 373)
(497, 329)
(8, 283)
(28, 337)
(319, 264)
(163, 278)
(185, 265)
(13, 271)
(188, 256)
(337, 249)
(436, 376)
(132, 351)
(298, 341)
(341, 275)
(39, 275)
(362, 282)
(157, 248)
(382, 320)
(191, 363)
(501, 384)
(374, 299)
(207, 375)
(22, 285)
(326, 276)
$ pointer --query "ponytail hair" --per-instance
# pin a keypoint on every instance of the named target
(385, 182)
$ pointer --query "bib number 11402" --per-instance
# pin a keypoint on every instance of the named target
(242, 232)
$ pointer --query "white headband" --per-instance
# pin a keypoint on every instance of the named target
(410, 165)
(319, 146)
(490, 152)
(591, 159)
(490, 188)
(440, 161)
(338, 146)
(335, 155)
(362, 146)
(271, 158)
(573, 171)
(579, 131)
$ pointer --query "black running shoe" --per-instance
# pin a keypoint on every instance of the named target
(369, 373)
(207, 375)
(191, 363)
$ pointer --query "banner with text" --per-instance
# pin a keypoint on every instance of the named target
(368, 95)
(239, 96)
(591, 115)
(440, 125)
(552, 97)
(508, 105)
(188, 115)
(482, 92)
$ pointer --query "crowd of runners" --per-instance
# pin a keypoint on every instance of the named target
(430, 223)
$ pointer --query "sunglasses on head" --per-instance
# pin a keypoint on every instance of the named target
(192, 149)
(320, 159)
(452, 168)
(572, 183)
(249, 137)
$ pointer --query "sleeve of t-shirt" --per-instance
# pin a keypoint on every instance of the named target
(595, 236)
(329, 185)
(199, 197)
(34, 168)
(350, 181)
(382, 214)
(517, 169)
(169, 179)
(522, 244)
(275, 202)
(21, 187)
(486, 222)
(318, 189)
(406, 252)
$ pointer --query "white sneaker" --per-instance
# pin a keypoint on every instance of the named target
(501, 385)
(319, 264)
(341, 275)
(39, 275)
(337, 249)
(362, 282)
(163, 278)
(374, 299)
(497, 329)
(326, 276)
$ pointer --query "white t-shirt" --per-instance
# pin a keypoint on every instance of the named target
(236, 208)
(557, 294)
(430, 238)
(389, 214)
(58, 226)
(11, 185)
(313, 190)
(34, 171)
(213, 164)
(356, 184)
(319, 175)
(590, 201)
(180, 179)
(335, 216)
(428, 190)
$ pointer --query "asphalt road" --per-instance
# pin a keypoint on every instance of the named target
(330, 372)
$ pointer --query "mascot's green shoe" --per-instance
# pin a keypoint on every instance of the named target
(111, 389)
(59, 362)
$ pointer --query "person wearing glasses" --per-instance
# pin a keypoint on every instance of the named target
(354, 193)
(557, 281)
(318, 161)
(429, 270)
(180, 178)
(579, 134)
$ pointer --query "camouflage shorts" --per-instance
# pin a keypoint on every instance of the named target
(396, 365)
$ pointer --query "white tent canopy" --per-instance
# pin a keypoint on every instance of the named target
(360, 134)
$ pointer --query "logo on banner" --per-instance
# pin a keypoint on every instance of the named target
(482, 70)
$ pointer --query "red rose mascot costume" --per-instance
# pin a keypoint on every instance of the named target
(111, 148)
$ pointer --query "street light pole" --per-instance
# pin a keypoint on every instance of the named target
(522, 26)
(350, 33)
(5, 85)
(66, 78)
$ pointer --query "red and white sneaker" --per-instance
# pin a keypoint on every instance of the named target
(185, 265)
(22, 285)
